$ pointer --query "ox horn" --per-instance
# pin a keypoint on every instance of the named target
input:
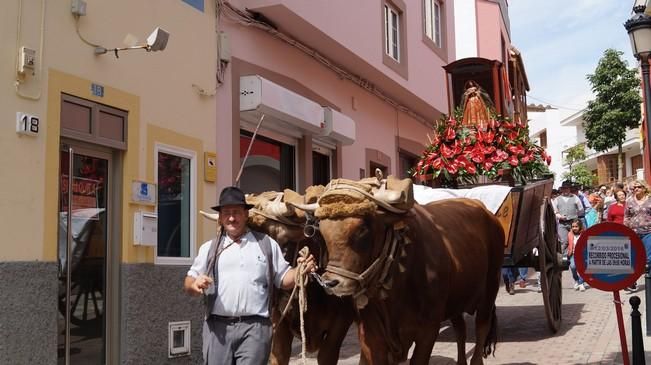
(388, 196)
(211, 216)
(306, 207)
(278, 208)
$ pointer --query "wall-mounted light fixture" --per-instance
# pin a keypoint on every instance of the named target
(157, 41)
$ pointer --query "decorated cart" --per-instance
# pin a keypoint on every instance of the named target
(483, 150)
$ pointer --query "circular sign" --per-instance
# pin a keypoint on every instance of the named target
(609, 256)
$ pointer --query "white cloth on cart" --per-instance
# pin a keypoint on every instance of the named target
(491, 195)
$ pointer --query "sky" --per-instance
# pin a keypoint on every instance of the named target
(561, 41)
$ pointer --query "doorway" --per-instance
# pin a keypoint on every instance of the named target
(84, 228)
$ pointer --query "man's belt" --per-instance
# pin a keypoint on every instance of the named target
(236, 319)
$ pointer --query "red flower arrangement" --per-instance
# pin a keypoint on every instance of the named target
(460, 153)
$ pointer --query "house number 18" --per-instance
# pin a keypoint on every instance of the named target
(27, 124)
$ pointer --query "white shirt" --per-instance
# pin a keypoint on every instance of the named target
(242, 275)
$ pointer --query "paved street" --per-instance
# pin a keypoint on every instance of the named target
(588, 335)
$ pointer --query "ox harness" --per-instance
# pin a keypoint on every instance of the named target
(376, 276)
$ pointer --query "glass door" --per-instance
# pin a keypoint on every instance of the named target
(84, 183)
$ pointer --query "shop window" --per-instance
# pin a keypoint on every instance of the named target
(320, 168)
(270, 165)
(175, 178)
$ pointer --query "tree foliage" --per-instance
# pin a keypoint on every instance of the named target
(575, 154)
(581, 175)
(616, 107)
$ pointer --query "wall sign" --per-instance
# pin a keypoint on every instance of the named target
(27, 124)
(143, 192)
(97, 90)
(210, 166)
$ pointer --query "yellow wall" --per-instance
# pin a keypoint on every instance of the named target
(156, 88)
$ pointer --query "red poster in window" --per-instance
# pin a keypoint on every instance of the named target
(84, 193)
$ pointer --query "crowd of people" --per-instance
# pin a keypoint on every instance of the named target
(578, 209)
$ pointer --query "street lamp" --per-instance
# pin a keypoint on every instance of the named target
(639, 30)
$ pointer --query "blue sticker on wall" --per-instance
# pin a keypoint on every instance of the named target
(197, 4)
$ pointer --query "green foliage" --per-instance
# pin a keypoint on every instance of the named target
(574, 154)
(616, 107)
(581, 175)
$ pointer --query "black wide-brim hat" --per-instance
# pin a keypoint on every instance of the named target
(567, 184)
(232, 196)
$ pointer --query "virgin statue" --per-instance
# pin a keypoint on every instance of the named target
(476, 105)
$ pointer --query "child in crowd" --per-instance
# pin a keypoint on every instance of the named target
(572, 238)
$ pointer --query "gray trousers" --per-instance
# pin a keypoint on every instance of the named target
(247, 342)
(563, 230)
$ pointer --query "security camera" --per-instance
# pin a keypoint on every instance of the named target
(157, 40)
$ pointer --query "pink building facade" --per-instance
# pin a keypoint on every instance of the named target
(387, 85)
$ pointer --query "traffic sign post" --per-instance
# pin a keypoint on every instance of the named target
(610, 257)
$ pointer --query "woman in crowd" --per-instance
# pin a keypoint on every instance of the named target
(616, 210)
(637, 216)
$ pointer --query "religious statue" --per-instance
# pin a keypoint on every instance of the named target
(476, 105)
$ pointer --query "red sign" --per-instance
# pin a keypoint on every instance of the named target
(84, 193)
(609, 256)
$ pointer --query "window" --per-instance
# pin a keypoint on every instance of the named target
(391, 32)
(636, 163)
(320, 166)
(176, 180)
(543, 139)
(270, 165)
(92, 122)
(406, 161)
(433, 21)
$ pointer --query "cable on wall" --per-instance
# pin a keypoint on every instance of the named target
(19, 79)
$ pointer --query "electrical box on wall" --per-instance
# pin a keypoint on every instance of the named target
(145, 229)
(224, 47)
(26, 60)
(78, 7)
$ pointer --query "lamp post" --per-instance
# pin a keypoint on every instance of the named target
(639, 30)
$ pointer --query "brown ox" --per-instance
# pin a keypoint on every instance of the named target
(447, 263)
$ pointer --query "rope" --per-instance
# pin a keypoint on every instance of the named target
(299, 286)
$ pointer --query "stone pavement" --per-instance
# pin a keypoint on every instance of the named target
(588, 334)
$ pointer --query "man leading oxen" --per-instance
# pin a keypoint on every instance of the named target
(410, 269)
(327, 318)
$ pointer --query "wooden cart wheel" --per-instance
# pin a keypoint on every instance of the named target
(550, 261)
